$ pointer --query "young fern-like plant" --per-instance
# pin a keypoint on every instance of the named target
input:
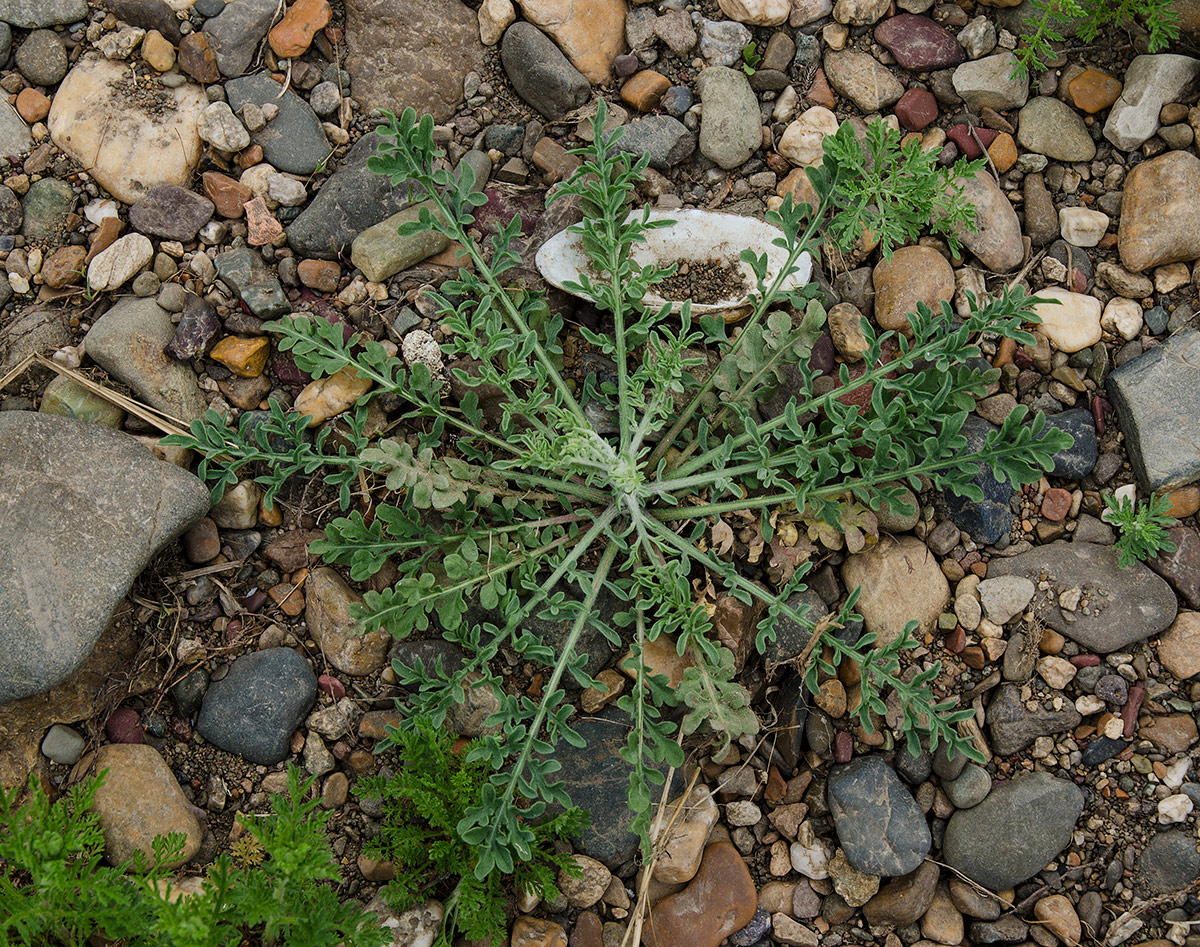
(1053, 19)
(1142, 528)
(538, 514)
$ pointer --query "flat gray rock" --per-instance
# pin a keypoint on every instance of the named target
(1015, 832)
(1014, 726)
(352, 200)
(234, 33)
(254, 709)
(1157, 397)
(83, 509)
(1169, 863)
(665, 139)
(15, 138)
(540, 73)
(879, 825)
(411, 52)
(34, 14)
(129, 341)
(1123, 605)
(293, 141)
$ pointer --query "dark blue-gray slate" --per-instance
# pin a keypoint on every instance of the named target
(879, 825)
(791, 708)
(149, 15)
(85, 510)
(1015, 832)
(596, 778)
(1169, 863)
(540, 73)
(352, 200)
(1124, 605)
(254, 709)
(1157, 399)
(293, 141)
(990, 518)
(1077, 461)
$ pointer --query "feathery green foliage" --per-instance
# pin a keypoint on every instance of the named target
(434, 790)
(539, 513)
(56, 890)
(1053, 19)
(1142, 528)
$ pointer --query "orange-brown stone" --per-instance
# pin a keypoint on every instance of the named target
(197, 59)
(820, 92)
(321, 275)
(1093, 91)
(227, 195)
(292, 35)
(721, 899)
(64, 267)
(645, 90)
(32, 105)
(261, 225)
(1003, 152)
(105, 236)
(250, 157)
(799, 186)
(245, 357)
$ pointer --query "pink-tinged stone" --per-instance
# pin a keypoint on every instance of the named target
(261, 225)
(330, 685)
(1056, 504)
(124, 726)
(917, 109)
(721, 899)
(843, 747)
(918, 43)
(961, 136)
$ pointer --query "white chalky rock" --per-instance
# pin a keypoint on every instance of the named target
(113, 266)
(801, 141)
(1174, 808)
(757, 12)
(810, 855)
(1072, 321)
(1122, 317)
(1082, 227)
(222, 129)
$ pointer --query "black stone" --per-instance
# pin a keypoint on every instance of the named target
(254, 709)
(149, 15)
(429, 653)
(596, 778)
(1101, 749)
(989, 519)
(791, 708)
(791, 637)
(197, 330)
(879, 824)
(188, 692)
(1078, 460)
(293, 141)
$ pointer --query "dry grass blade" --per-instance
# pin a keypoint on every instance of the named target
(159, 419)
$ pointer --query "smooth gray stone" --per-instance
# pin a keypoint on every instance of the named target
(83, 509)
(665, 139)
(1157, 398)
(129, 342)
(254, 709)
(879, 824)
(234, 33)
(1169, 863)
(540, 73)
(1013, 727)
(1125, 605)
(34, 14)
(293, 141)
(1015, 832)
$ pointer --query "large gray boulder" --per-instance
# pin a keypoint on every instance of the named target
(83, 509)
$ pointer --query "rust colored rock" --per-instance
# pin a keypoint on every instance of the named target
(105, 236)
(197, 59)
(967, 144)
(1003, 152)
(912, 275)
(644, 91)
(721, 899)
(64, 267)
(32, 105)
(292, 35)
(321, 275)
(227, 195)
(819, 92)
(1056, 504)
(1093, 91)
(261, 225)
(250, 157)
(537, 932)
(917, 109)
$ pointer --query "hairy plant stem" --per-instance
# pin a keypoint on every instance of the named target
(764, 303)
